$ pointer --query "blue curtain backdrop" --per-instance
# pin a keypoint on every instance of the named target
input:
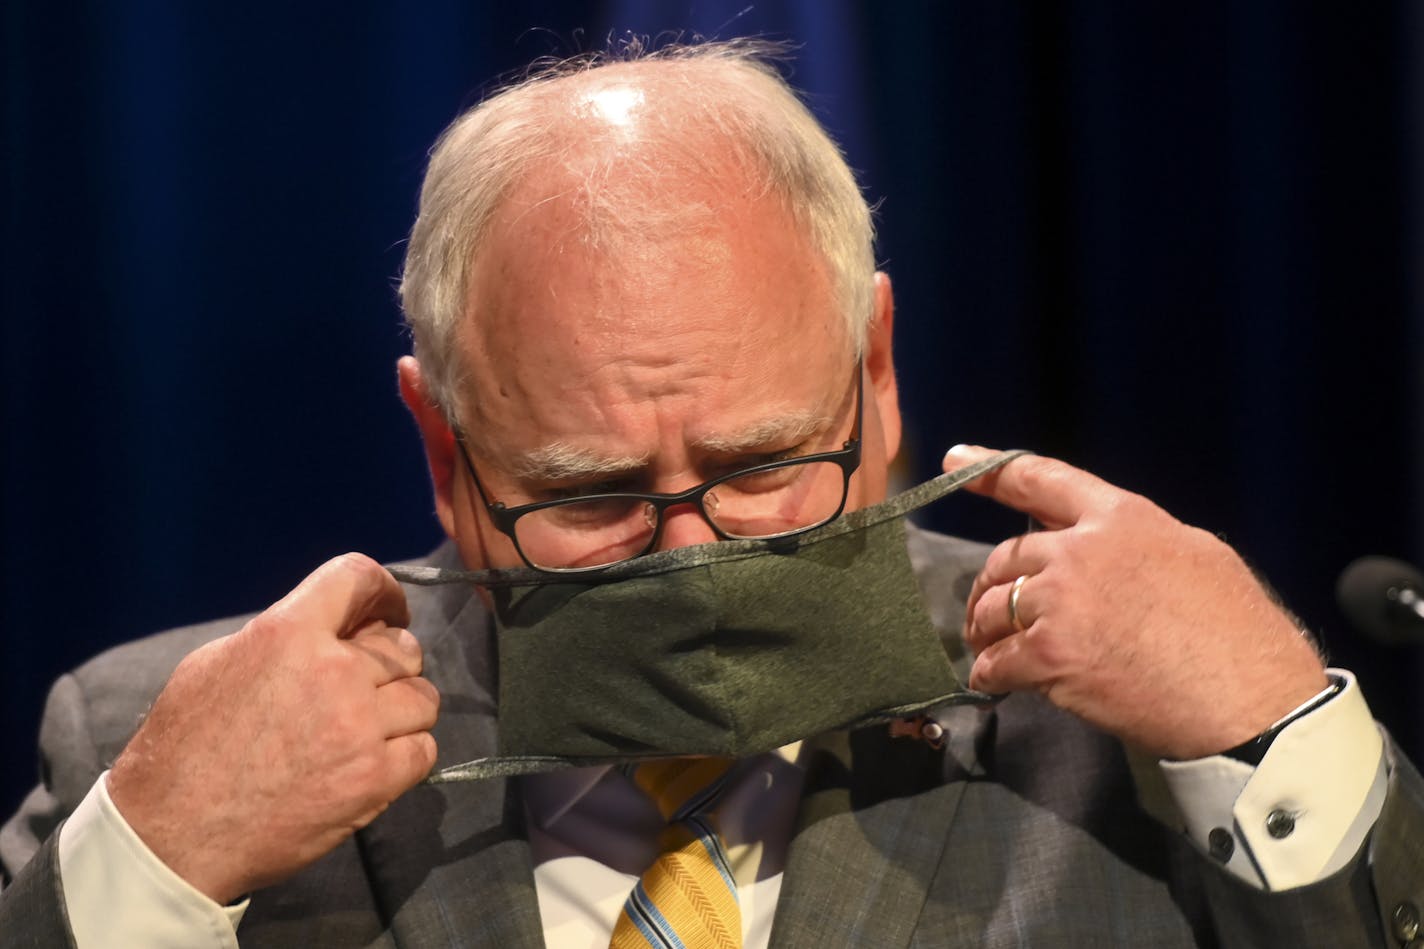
(1176, 244)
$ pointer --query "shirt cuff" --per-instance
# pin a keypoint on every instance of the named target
(118, 893)
(1304, 811)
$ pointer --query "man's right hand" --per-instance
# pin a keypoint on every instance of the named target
(269, 747)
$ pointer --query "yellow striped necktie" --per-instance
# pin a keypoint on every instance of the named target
(687, 899)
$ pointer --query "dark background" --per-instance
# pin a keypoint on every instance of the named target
(1176, 244)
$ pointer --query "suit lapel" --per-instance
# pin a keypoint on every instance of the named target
(870, 837)
(876, 812)
(450, 867)
(449, 864)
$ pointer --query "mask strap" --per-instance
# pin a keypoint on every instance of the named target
(509, 766)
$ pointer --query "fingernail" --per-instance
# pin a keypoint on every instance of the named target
(957, 450)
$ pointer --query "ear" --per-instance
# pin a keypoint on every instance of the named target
(437, 435)
(880, 364)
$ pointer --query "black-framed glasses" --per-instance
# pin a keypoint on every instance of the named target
(776, 499)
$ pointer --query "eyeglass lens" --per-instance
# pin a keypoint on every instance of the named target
(608, 529)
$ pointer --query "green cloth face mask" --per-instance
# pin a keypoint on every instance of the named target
(731, 648)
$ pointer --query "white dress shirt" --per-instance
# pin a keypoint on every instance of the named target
(1304, 811)
(593, 833)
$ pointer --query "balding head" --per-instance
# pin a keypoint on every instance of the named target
(632, 150)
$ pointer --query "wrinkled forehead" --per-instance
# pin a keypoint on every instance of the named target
(607, 280)
(604, 252)
(649, 225)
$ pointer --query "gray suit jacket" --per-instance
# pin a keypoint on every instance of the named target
(1027, 829)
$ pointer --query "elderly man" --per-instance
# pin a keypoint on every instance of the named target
(653, 369)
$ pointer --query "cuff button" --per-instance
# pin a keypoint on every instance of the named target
(1219, 844)
(1280, 824)
(1405, 921)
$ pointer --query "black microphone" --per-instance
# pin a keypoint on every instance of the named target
(1384, 599)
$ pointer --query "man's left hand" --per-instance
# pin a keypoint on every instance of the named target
(1144, 627)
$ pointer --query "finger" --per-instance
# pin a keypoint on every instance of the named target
(1055, 493)
(409, 758)
(1012, 664)
(1026, 554)
(407, 706)
(342, 596)
(992, 620)
(392, 653)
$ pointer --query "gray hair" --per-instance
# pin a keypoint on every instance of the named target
(729, 91)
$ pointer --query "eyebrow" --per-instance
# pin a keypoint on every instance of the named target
(560, 461)
(784, 431)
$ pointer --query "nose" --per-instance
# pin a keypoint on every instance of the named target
(684, 526)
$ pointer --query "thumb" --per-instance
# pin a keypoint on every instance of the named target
(961, 456)
(340, 597)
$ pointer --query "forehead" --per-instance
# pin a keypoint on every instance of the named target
(608, 298)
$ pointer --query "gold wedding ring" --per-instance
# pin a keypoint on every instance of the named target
(1014, 592)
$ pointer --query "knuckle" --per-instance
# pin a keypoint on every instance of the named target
(1082, 537)
(425, 701)
(361, 572)
(1041, 642)
(428, 692)
(1041, 474)
(370, 776)
(998, 557)
(356, 563)
(983, 676)
(983, 617)
(340, 662)
(1075, 549)
(421, 752)
(266, 630)
(427, 750)
(1131, 507)
(410, 647)
(373, 648)
(1043, 590)
(351, 732)
(1051, 650)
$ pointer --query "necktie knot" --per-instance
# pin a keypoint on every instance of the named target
(688, 897)
(681, 787)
